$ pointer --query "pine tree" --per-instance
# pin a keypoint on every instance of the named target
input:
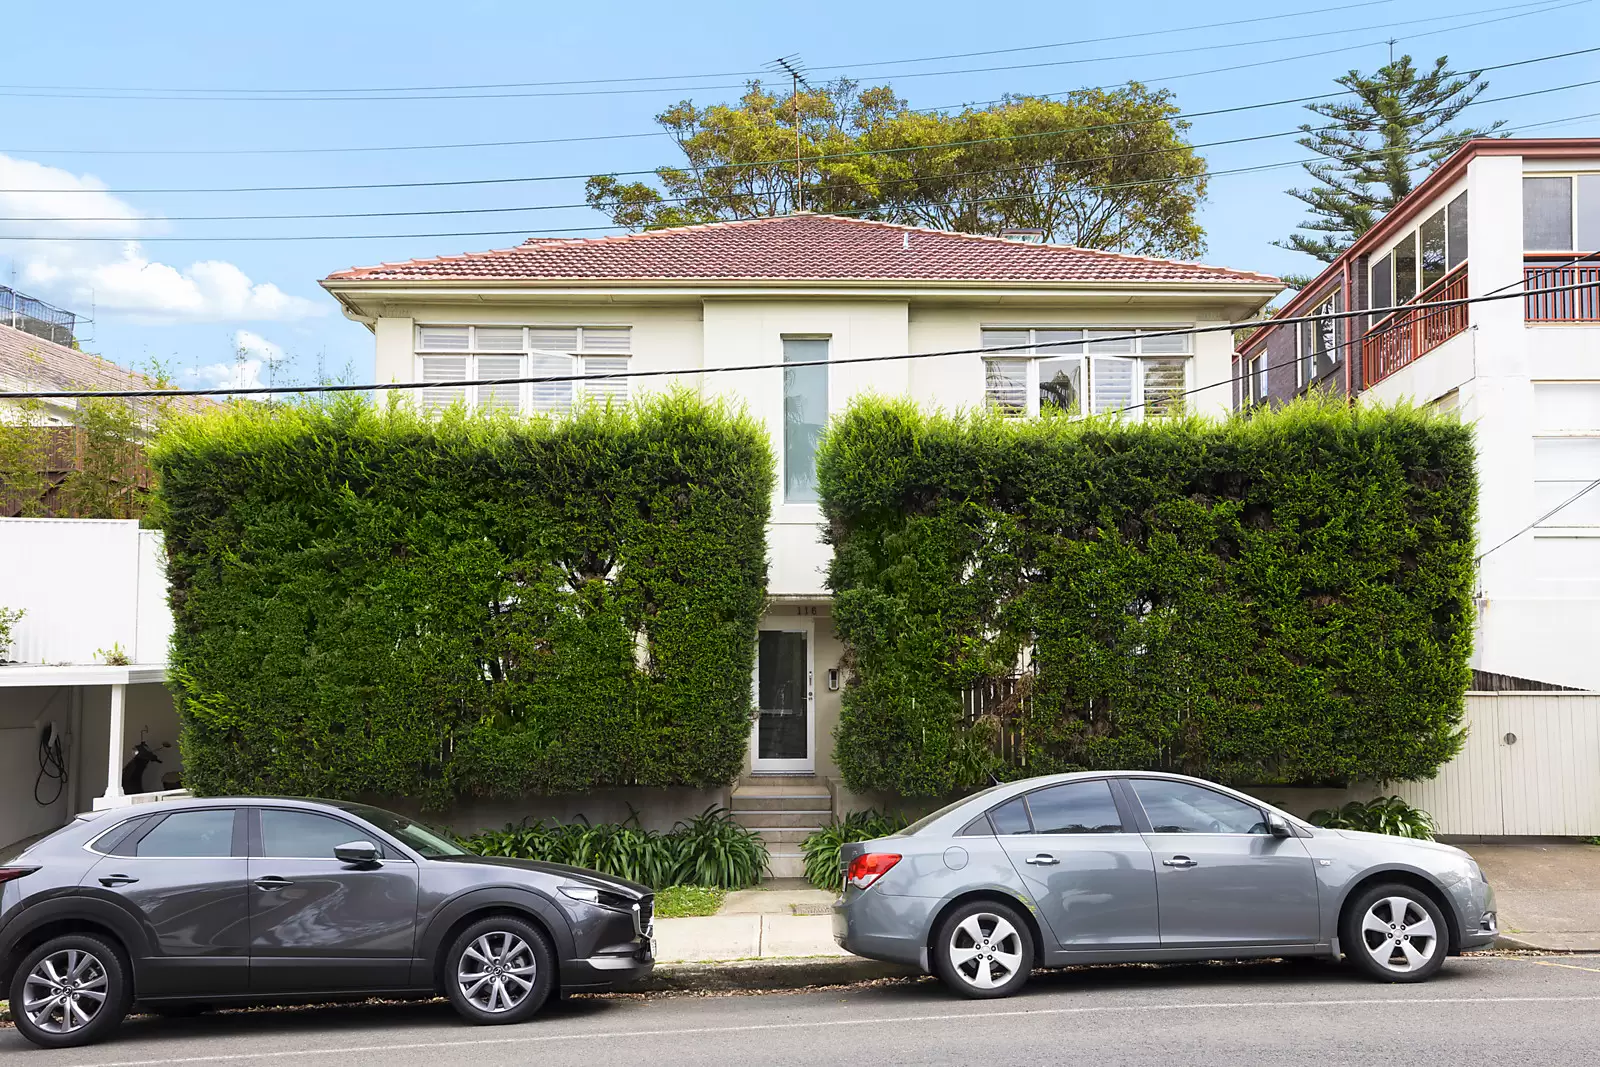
(1376, 146)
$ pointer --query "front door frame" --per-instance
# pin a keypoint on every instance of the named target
(806, 626)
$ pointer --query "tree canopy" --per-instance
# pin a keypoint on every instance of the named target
(1098, 168)
(1375, 147)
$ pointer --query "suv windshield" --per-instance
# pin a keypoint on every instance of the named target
(431, 843)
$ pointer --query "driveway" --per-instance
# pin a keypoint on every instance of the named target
(1548, 892)
(1481, 1010)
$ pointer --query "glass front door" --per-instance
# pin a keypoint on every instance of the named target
(783, 734)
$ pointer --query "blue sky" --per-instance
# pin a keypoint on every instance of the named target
(191, 304)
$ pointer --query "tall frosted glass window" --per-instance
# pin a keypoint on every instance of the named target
(1457, 225)
(1433, 258)
(805, 414)
(1405, 269)
(1547, 214)
(1588, 213)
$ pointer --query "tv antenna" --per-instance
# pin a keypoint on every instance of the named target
(795, 67)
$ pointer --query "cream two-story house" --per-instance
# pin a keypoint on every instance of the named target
(805, 288)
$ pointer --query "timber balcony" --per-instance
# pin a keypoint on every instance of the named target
(1570, 305)
(1411, 332)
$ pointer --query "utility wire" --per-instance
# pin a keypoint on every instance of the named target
(939, 176)
(1183, 116)
(1538, 7)
(689, 77)
(816, 158)
(1188, 331)
(549, 232)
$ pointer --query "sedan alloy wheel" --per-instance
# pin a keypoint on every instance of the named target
(1399, 934)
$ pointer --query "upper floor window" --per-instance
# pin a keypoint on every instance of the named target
(1566, 452)
(805, 414)
(1319, 342)
(1561, 213)
(1067, 369)
(1422, 257)
(467, 353)
(1257, 382)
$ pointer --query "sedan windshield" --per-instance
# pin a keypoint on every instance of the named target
(430, 842)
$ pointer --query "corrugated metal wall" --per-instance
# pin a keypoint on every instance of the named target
(1530, 766)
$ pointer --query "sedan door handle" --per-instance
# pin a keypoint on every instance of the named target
(272, 881)
(112, 880)
(1043, 859)
(1183, 862)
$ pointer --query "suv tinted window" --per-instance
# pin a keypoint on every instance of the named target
(1075, 808)
(207, 832)
(1180, 808)
(1011, 817)
(288, 834)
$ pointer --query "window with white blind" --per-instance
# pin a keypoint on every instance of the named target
(1561, 213)
(1566, 451)
(1080, 371)
(466, 353)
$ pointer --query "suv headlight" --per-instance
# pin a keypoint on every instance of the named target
(590, 895)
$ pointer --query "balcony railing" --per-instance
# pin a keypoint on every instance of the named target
(1569, 305)
(1415, 331)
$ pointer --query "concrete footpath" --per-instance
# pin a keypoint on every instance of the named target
(1548, 893)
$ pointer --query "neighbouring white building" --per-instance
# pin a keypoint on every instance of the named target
(1501, 216)
(800, 288)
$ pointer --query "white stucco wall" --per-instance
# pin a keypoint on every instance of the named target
(1539, 595)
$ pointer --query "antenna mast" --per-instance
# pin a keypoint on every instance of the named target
(795, 67)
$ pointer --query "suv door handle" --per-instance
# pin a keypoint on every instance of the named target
(112, 880)
(1043, 859)
(1183, 862)
(272, 881)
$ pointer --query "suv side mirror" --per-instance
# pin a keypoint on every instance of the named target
(363, 852)
(1277, 826)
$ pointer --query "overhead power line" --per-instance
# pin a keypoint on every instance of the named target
(1031, 349)
(689, 77)
(816, 158)
(1073, 161)
(1536, 7)
(525, 233)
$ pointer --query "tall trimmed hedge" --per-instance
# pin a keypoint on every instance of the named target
(371, 601)
(1279, 599)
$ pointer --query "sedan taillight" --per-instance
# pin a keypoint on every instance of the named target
(8, 874)
(864, 870)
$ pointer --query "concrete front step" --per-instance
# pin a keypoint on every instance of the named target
(785, 865)
(743, 801)
(784, 835)
(787, 818)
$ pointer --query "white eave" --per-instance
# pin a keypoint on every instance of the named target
(46, 674)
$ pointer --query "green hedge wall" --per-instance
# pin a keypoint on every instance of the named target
(1279, 599)
(370, 601)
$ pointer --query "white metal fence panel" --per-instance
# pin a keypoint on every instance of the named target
(1465, 798)
(1530, 766)
(86, 585)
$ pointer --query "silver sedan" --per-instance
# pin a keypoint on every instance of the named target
(1124, 867)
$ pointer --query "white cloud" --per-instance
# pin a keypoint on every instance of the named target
(118, 275)
(254, 354)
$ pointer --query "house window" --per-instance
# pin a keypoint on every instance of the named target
(1319, 342)
(1258, 378)
(1431, 239)
(465, 353)
(1422, 257)
(1077, 371)
(805, 415)
(1566, 451)
(1456, 230)
(1561, 214)
(1405, 269)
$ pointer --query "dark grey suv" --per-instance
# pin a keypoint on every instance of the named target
(190, 904)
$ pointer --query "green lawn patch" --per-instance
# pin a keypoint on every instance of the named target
(683, 901)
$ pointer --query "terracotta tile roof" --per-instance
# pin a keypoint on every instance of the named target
(28, 363)
(798, 248)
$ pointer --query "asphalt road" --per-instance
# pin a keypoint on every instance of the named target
(1481, 1011)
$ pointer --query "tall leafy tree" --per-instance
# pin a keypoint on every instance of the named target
(1099, 168)
(1376, 146)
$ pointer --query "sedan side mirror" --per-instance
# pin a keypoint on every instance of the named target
(1277, 826)
(363, 852)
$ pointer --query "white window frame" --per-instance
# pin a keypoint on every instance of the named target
(1256, 387)
(581, 360)
(1304, 358)
(1561, 524)
(1574, 184)
(1414, 235)
(1031, 359)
